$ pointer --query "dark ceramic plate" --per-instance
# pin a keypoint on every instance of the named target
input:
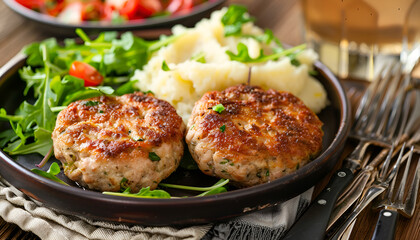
(183, 211)
(52, 24)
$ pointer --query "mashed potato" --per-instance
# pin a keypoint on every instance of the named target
(187, 80)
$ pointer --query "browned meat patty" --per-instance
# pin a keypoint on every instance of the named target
(103, 140)
(258, 137)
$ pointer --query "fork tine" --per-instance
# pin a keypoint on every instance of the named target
(413, 122)
(366, 100)
(393, 100)
(410, 202)
(385, 165)
(396, 166)
(389, 95)
(394, 121)
(391, 189)
(401, 189)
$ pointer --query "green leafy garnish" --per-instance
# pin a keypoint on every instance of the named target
(200, 57)
(218, 187)
(91, 103)
(123, 184)
(268, 37)
(153, 156)
(206, 190)
(165, 66)
(51, 173)
(234, 18)
(243, 55)
(223, 128)
(218, 108)
(143, 193)
(313, 72)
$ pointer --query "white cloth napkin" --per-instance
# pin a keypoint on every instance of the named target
(17, 208)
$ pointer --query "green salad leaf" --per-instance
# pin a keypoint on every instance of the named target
(51, 173)
(200, 57)
(165, 66)
(143, 193)
(243, 54)
(50, 88)
(234, 18)
(218, 187)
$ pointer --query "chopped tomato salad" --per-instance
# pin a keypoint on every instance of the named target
(76, 11)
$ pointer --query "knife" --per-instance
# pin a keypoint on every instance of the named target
(315, 219)
(313, 223)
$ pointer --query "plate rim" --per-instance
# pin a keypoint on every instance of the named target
(131, 25)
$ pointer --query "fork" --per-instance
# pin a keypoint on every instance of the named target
(372, 125)
(385, 227)
(408, 131)
(381, 183)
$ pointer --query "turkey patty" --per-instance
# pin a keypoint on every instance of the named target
(103, 140)
(254, 136)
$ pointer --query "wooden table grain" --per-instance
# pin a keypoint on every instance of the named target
(283, 17)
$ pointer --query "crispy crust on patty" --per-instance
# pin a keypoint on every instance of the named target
(102, 140)
(259, 136)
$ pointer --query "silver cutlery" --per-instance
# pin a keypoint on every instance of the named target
(409, 131)
(372, 125)
(381, 183)
(388, 217)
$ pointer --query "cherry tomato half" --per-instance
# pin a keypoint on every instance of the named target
(180, 6)
(89, 74)
(92, 10)
(32, 4)
(138, 9)
(129, 9)
(148, 8)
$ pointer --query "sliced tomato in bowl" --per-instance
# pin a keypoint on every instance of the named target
(180, 6)
(92, 10)
(32, 4)
(137, 9)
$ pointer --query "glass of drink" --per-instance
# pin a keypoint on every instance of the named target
(355, 37)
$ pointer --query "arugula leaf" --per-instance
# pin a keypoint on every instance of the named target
(88, 92)
(243, 54)
(218, 187)
(143, 193)
(41, 145)
(234, 18)
(7, 136)
(213, 191)
(218, 184)
(33, 79)
(165, 66)
(51, 173)
(200, 57)
(128, 87)
(267, 38)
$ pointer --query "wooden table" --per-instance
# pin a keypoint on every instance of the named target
(282, 16)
